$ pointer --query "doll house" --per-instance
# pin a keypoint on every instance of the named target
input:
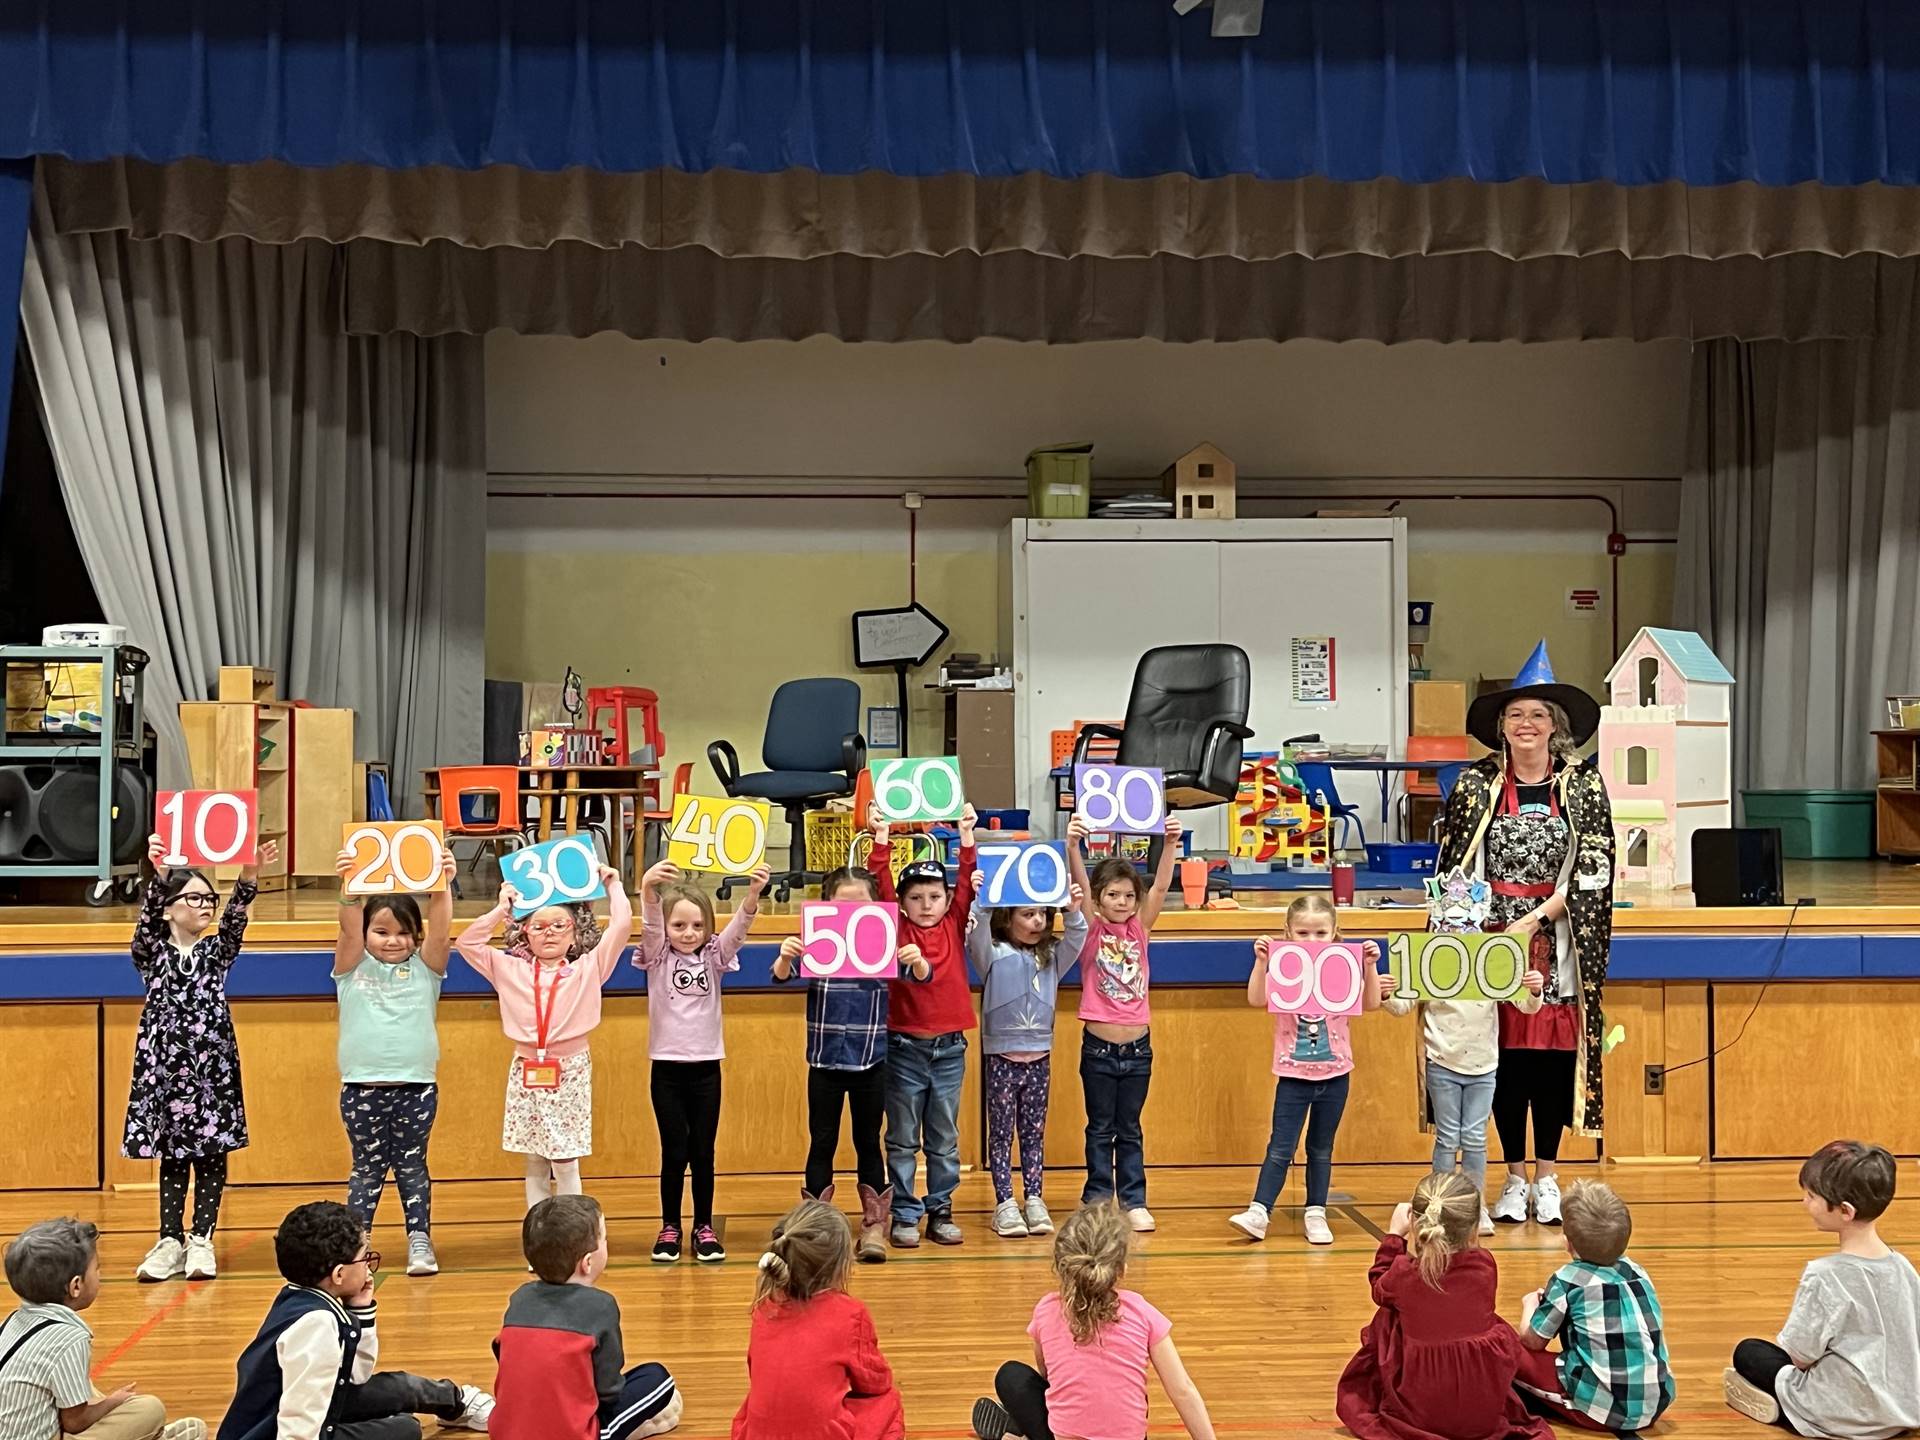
(1201, 484)
(1666, 753)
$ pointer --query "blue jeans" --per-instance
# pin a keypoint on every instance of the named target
(1461, 1105)
(1318, 1105)
(924, 1074)
(1115, 1079)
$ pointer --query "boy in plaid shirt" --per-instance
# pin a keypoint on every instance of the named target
(1611, 1372)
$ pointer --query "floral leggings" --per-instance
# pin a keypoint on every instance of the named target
(1017, 1093)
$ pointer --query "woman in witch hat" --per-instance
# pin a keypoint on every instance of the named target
(1535, 823)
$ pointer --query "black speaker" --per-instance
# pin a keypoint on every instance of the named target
(1737, 867)
(50, 812)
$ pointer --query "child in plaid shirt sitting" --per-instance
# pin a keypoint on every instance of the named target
(1611, 1372)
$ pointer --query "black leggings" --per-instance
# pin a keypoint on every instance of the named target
(865, 1093)
(209, 1184)
(1536, 1080)
(1760, 1363)
(1023, 1395)
(686, 1103)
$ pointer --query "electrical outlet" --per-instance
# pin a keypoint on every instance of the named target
(1656, 1079)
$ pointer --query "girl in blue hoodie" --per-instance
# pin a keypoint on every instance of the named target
(1020, 963)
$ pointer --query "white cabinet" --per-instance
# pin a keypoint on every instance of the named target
(1087, 597)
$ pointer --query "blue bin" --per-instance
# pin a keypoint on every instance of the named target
(1404, 857)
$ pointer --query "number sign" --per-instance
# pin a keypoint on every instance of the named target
(1328, 979)
(1017, 872)
(393, 856)
(725, 836)
(1468, 966)
(849, 941)
(922, 788)
(208, 827)
(560, 872)
(1120, 799)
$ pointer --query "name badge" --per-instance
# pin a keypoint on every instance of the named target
(540, 1074)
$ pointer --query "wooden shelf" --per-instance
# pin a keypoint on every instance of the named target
(1896, 801)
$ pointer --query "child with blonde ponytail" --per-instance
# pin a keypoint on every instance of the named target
(814, 1365)
(1092, 1342)
(1437, 1362)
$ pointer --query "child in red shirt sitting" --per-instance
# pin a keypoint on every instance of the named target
(927, 1026)
(814, 1367)
(559, 1347)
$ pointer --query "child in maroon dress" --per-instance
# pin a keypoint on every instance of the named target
(814, 1367)
(1438, 1362)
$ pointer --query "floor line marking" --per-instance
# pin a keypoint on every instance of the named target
(166, 1312)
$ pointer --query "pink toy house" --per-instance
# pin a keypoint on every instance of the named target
(1666, 752)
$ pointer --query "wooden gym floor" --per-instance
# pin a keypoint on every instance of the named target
(1264, 1329)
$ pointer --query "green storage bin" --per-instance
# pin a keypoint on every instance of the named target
(1815, 824)
(1060, 482)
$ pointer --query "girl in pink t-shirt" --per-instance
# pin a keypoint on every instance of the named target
(1312, 1059)
(1092, 1343)
(548, 980)
(1116, 1053)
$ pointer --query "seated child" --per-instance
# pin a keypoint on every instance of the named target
(559, 1347)
(1848, 1361)
(46, 1348)
(309, 1371)
(1612, 1371)
(1436, 1362)
(814, 1367)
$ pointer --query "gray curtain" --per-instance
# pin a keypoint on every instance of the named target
(1799, 554)
(248, 485)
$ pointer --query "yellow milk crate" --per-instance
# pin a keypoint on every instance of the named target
(832, 841)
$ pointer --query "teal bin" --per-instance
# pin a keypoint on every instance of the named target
(1815, 824)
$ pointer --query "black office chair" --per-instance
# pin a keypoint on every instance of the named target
(1187, 717)
(813, 751)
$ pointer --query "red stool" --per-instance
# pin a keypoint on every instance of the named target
(621, 699)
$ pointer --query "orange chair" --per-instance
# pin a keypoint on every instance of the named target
(621, 700)
(1425, 784)
(654, 822)
(468, 795)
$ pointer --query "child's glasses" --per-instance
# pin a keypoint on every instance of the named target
(543, 926)
(198, 899)
(371, 1260)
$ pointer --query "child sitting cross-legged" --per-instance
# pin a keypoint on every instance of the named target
(1611, 1372)
(309, 1372)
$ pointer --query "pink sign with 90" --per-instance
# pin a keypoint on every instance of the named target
(1316, 978)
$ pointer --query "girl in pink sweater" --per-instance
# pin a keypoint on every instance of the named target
(548, 980)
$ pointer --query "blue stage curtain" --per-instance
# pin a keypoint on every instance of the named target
(16, 208)
(1633, 91)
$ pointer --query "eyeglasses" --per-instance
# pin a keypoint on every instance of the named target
(542, 927)
(198, 899)
(371, 1260)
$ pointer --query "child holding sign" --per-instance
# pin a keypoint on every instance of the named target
(685, 960)
(847, 1066)
(1312, 1066)
(548, 980)
(1020, 964)
(1116, 1052)
(1436, 1362)
(927, 1037)
(387, 969)
(185, 1108)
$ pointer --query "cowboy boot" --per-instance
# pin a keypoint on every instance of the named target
(874, 1209)
(825, 1197)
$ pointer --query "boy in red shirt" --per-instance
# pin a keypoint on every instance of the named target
(927, 1026)
(559, 1347)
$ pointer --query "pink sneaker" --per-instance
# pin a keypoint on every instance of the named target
(707, 1248)
(666, 1245)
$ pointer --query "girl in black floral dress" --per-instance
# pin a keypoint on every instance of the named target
(185, 1108)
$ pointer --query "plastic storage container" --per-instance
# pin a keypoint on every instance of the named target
(1417, 857)
(1060, 482)
(1815, 824)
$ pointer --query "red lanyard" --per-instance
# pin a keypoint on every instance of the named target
(1510, 796)
(543, 1019)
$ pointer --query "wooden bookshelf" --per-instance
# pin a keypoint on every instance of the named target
(1897, 798)
(246, 745)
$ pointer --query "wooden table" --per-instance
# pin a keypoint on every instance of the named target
(563, 788)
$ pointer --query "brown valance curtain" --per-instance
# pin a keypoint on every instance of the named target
(801, 215)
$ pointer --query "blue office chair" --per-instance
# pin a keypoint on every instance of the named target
(813, 751)
(1315, 776)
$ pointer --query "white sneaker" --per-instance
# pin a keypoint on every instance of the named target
(1486, 1221)
(1039, 1222)
(165, 1260)
(1546, 1201)
(1748, 1398)
(1251, 1222)
(1315, 1225)
(1007, 1220)
(1140, 1218)
(1511, 1207)
(185, 1430)
(200, 1264)
(476, 1410)
(420, 1257)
